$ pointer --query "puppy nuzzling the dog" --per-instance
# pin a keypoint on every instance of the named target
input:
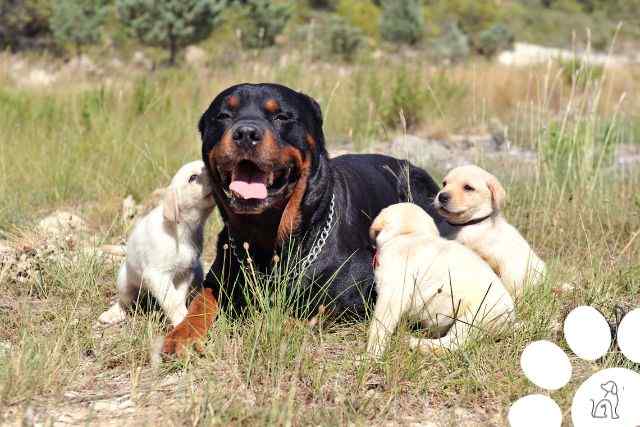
(439, 282)
(471, 200)
(163, 252)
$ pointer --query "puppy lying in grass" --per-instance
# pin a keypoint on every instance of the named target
(439, 282)
(163, 252)
(470, 200)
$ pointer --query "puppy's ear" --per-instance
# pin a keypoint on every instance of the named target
(170, 209)
(375, 229)
(498, 195)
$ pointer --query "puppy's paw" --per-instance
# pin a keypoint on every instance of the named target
(114, 315)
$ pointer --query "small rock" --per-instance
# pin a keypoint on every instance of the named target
(113, 405)
(81, 64)
(62, 223)
(114, 250)
(195, 56)
(567, 287)
(37, 77)
(116, 63)
(419, 149)
(139, 59)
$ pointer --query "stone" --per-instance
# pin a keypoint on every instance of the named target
(62, 224)
(420, 150)
(139, 59)
(37, 77)
(195, 56)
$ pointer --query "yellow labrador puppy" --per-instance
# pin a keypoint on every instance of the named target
(439, 282)
(470, 200)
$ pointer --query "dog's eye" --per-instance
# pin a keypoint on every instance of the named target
(281, 117)
(444, 183)
(223, 116)
(193, 178)
(467, 187)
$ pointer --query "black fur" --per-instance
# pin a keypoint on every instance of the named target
(362, 184)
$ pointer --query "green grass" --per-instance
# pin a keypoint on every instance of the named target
(86, 146)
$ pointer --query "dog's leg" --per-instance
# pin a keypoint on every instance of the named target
(171, 297)
(455, 338)
(127, 291)
(386, 316)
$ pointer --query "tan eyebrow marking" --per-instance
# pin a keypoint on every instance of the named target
(233, 102)
(271, 105)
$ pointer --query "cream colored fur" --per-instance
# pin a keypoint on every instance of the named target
(163, 252)
(439, 282)
(471, 193)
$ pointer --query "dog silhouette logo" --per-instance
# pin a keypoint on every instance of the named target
(607, 407)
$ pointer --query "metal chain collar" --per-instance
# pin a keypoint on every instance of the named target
(316, 249)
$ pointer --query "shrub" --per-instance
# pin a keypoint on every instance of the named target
(402, 21)
(453, 44)
(362, 14)
(77, 22)
(24, 24)
(578, 150)
(495, 39)
(323, 4)
(580, 73)
(170, 24)
(263, 20)
(404, 97)
(344, 39)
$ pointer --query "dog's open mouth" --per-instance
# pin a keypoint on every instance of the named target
(246, 183)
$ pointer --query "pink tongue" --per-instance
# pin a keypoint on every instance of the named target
(249, 190)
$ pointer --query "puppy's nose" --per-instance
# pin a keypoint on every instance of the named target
(444, 198)
(247, 135)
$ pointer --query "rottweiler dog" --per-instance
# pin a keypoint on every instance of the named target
(274, 184)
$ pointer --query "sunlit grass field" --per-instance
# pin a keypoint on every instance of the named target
(85, 145)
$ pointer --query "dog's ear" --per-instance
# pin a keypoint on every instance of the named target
(170, 209)
(498, 195)
(315, 108)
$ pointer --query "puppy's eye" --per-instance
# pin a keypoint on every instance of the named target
(193, 178)
(223, 116)
(467, 187)
(444, 183)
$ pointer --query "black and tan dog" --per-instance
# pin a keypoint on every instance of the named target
(273, 182)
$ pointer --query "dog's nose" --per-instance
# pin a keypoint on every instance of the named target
(248, 135)
(444, 198)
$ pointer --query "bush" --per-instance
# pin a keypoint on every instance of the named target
(495, 39)
(580, 73)
(402, 21)
(453, 44)
(77, 22)
(24, 24)
(323, 4)
(170, 24)
(264, 20)
(404, 97)
(362, 14)
(344, 39)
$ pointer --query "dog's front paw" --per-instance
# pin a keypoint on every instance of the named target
(180, 339)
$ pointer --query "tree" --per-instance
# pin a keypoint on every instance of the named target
(402, 21)
(24, 24)
(77, 21)
(170, 24)
(263, 21)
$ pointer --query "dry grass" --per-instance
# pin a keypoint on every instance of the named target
(87, 146)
